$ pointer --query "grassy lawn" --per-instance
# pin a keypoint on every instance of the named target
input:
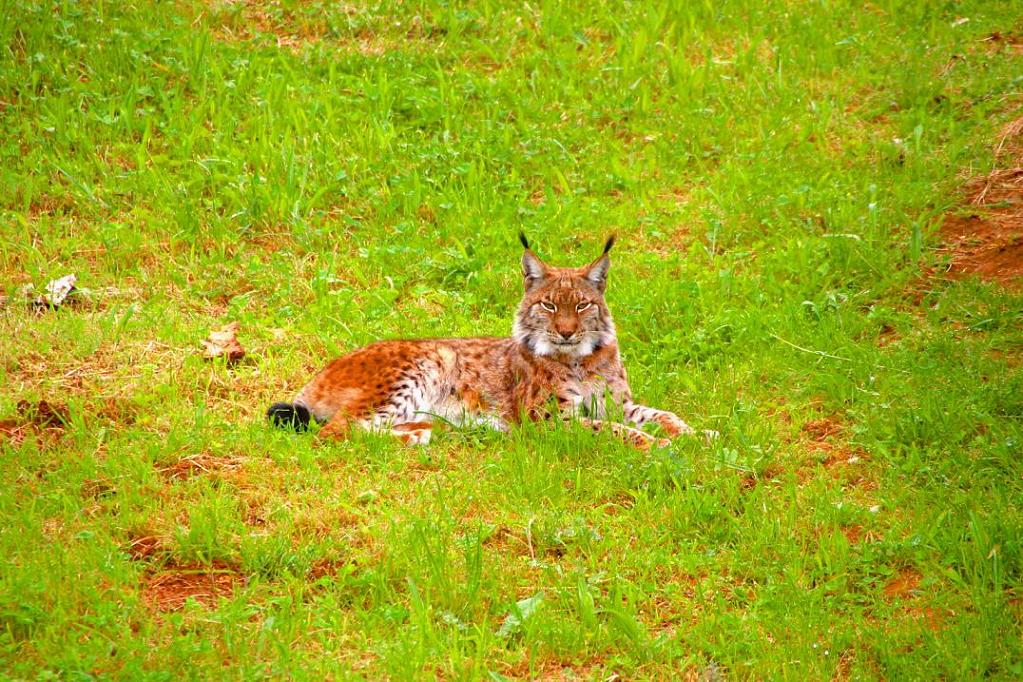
(325, 174)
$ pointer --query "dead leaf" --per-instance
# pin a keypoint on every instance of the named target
(223, 342)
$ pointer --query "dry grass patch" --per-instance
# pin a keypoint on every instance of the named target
(44, 418)
(201, 463)
(170, 588)
(143, 547)
(553, 668)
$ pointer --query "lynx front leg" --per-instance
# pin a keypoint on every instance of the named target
(632, 436)
(669, 421)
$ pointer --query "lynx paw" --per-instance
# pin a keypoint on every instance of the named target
(674, 426)
(414, 433)
(644, 441)
(419, 437)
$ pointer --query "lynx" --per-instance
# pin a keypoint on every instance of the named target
(561, 360)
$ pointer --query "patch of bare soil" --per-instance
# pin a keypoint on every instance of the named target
(171, 587)
(751, 480)
(326, 568)
(822, 439)
(903, 584)
(856, 534)
(44, 414)
(821, 429)
(987, 239)
(904, 587)
(930, 617)
(843, 669)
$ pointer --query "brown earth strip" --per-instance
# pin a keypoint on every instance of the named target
(986, 238)
(170, 588)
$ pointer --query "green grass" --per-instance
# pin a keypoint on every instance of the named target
(328, 174)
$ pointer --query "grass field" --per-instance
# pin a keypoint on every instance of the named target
(325, 174)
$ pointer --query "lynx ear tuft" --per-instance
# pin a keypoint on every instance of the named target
(522, 238)
(610, 242)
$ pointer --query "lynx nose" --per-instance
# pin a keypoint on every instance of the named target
(566, 334)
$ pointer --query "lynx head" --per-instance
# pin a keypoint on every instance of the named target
(563, 310)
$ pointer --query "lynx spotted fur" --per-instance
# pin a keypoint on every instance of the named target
(563, 353)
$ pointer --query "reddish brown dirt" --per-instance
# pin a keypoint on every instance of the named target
(930, 617)
(323, 568)
(903, 584)
(820, 429)
(751, 480)
(990, 246)
(616, 504)
(987, 239)
(903, 589)
(887, 336)
(13, 430)
(169, 588)
(843, 669)
(854, 533)
(842, 461)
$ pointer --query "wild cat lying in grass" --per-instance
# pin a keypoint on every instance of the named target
(563, 349)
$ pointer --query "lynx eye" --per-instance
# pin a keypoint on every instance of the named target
(582, 306)
(549, 307)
